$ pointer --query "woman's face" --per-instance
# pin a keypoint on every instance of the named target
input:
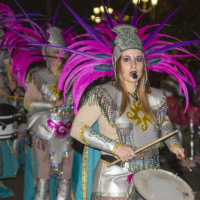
(132, 65)
(54, 54)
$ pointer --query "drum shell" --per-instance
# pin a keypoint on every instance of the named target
(135, 195)
(9, 130)
(7, 121)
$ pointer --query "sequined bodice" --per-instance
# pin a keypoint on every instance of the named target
(49, 87)
(133, 128)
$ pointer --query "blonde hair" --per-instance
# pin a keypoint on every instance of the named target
(143, 91)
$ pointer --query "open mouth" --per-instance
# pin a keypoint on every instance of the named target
(133, 74)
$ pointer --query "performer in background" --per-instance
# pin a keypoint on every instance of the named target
(8, 161)
(50, 154)
(129, 114)
(50, 121)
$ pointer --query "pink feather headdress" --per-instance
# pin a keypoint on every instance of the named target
(20, 40)
(92, 57)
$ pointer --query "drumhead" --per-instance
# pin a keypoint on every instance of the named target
(161, 185)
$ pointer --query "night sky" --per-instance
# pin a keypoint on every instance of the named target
(182, 23)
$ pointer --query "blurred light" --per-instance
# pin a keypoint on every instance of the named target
(92, 17)
(96, 10)
(135, 1)
(154, 2)
(102, 9)
(97, 20)
(126, 18)
(145, 0)
(110, 10)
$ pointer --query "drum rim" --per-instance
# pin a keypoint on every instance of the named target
(7, 116)
(136, 190)
(167, 172)
(7, 136)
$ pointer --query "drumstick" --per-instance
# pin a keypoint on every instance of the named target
(15, 97)
(148, 145)
(186, 164)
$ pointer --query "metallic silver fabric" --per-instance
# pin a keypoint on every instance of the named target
(16, 147)
(167, 128)
(111, 182)
(99, 141)
(51, 127)
(56, 37)
(64, 190)
(39, 106)
(42, 190)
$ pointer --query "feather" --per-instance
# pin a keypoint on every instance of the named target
(85, 26)
(155, 31)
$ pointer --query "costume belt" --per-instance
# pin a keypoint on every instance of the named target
(110, 159)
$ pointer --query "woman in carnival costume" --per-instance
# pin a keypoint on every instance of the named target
(9, 157)
(50, 121)
(50, 118)
(129, 114)
(8, 161)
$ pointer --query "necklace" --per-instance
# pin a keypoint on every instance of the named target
(134, 95)
(54, 73)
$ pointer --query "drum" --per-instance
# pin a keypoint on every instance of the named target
(159, 184)
(7, 121)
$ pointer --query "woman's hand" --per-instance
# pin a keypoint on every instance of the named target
(58, 103)
(179, 151)
(125, 153)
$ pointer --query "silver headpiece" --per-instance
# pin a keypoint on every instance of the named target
(56, 37)
(126, 39)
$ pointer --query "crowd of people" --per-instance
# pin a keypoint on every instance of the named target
(71, 104)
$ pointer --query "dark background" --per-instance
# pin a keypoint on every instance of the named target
(182, 23)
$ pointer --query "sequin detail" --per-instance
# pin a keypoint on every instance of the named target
(108, 196)
(54, 90)
(33, 166)
(81, 134)
(100, 137)
(55, 169)
(174, 144)
(149, 158)
(134, 114)
(84, 172)
(37, 80)
(28, 107)
(116, 147)
(60, 129)
(100, 96)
